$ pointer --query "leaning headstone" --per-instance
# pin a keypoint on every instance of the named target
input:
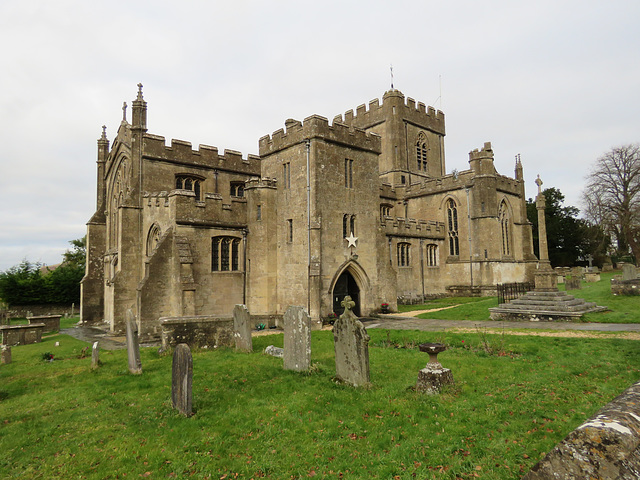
(133, 347)
(629, 272)
(95, 356)
(5, 354)
(181, 379)
(351, 344)
(297, 339)
(274, 351)
(242, 328)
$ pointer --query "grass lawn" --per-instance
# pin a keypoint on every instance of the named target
(623, 309)
(60, 420)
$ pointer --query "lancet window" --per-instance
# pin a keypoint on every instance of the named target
(421, 152)
(432, 255)
(452, 223)
(505, 228)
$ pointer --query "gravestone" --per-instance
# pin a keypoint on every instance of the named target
(274, 351)
(572, 283)
(242, 328)
(182, 379)
(95, 356)
(351, 344)
(133, 347)
(5, 354)
(297, 339)
(629, 272)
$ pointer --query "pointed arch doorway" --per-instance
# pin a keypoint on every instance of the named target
(346, 285)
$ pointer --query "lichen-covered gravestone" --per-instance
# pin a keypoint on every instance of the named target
(133, 347)
(5, 354)
(351, 343)
(297, 339)
(181, 379)
(95, 356)
(242, 328)
(629, 272)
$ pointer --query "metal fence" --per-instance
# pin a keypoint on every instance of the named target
(511, 291)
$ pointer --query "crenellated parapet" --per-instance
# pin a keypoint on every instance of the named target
(154, 147)
(185, 209)
(256, 182)
(316, 126)
(410, 227)
(417, 113)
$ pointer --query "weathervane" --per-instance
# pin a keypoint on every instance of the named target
(392, 76)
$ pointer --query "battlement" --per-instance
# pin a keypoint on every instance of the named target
(155, 148)
(401, 226)
(393, 103)
(183, 208)
(317, 126)
(255, 182)
(485, 152)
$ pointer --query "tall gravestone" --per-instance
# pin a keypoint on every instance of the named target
(242, 328)
(182, 379)
(297, 339)
(351, 343)
(629, 272)
(5, 354)
(133, 347)
(95, 356)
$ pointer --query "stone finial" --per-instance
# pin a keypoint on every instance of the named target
(124, 112)
(348, 303)
(539, 183)
(104, 132)
(139, 98)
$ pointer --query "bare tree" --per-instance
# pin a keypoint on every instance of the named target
(612, 196)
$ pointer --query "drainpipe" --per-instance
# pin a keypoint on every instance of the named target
(469, 228)
(308, 148)
(244, 266)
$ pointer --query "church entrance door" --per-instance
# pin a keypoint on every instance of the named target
(346, 285)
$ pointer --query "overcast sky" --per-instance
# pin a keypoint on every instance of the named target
(556, 81)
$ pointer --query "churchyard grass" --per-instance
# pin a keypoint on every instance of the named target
(622, 309)
(508, 407)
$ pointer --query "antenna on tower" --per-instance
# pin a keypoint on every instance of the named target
(392, 76)
(439, 99)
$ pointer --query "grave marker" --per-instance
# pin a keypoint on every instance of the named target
(95, 356)
(242, 328)
(182, 379)
(5, 354)
(133, 347)
(297, 339)
(351, 343)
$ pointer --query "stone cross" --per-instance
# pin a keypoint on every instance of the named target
(5, 354)
(182, 379)
(133, 348)
(351, 344)
(538, 182)
(297, 339)
(95, 356)
(242, 328)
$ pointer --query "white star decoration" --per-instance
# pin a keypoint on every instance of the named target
(351, 239)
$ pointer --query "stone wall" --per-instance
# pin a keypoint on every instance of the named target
(605, 446)
(24, 311)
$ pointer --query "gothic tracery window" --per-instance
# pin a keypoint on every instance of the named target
(225, 254)
(421, 152)
(153, 239)
(452, 223)
(505, 228)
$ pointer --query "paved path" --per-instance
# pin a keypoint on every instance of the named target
(396, 322)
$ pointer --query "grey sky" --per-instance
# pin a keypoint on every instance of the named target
(556, 81)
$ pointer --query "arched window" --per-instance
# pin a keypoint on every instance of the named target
(237, 189)
(432, 255)
(225, 254)
(421, 152)
(404, 251)
(186, 182)
(505, 228)
(153, 238)
(348, 225)
(452, 223)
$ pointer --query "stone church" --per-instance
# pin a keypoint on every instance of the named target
(361, 206)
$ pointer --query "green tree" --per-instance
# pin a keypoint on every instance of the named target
(568, 238)
(23, 284)
(63, 283)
